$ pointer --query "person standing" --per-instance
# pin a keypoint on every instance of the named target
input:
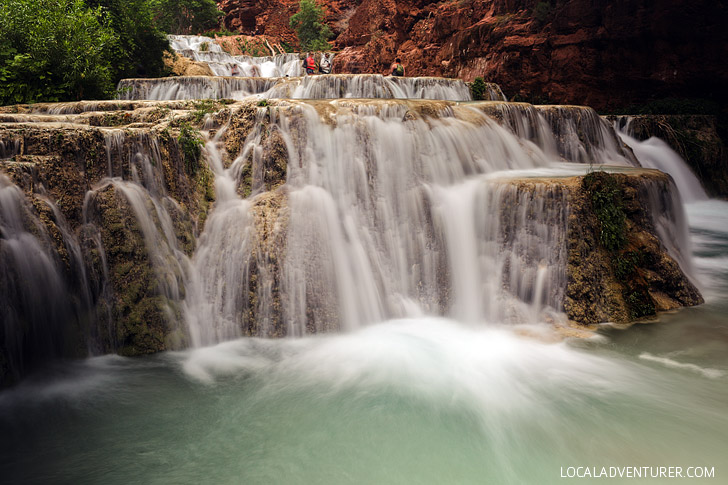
(309, 64)
(398, 68)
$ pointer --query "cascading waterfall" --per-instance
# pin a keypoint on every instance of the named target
(309, 87)
(205, 49)
(385, 208)
(372, 223)
(655, 153)
(36, 305)
(218, 293)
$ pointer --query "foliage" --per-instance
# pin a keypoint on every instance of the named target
(141, 46)
(478, 88)
(606, 199)
(204, 47)
(220, 33)
(312, 33)
(52, 50)
(542, 11)
(191, 143)
(607, 202)
(186, 16)
(263, 103)
(253, 48)
(204, 107)
(625, 264)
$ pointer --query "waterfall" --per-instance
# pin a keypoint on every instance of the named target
(205, 49)
(35, 301)
(339, 202)
(655, 153)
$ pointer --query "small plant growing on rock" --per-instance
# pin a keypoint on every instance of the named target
(263, 103)
(478, 88)
(191, 143)
(204, 47)
(202, 108)
(606, 194)
(606, 199)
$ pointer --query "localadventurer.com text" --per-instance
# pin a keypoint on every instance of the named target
(637, 472)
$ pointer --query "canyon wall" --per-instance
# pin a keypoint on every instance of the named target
(607, 55)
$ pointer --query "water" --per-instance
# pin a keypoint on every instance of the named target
(434, 285)
(416, 400)
(408, 401)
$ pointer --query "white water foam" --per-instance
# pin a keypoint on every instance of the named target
(704, 371)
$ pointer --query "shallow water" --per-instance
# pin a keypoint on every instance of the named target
(424, 400)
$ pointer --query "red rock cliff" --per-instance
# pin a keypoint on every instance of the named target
(606, 54)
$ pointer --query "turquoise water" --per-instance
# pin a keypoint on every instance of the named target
(412, 401)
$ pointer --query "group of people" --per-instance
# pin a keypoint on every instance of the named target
(324, 67)
(309, 64)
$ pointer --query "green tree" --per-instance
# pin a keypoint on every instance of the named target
(478, 89)
(312, 33)
(186, 16)
(52, 50)
(141, 46)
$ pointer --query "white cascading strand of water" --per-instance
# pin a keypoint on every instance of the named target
(205, 49)
(655, 153)
(395, 207)
(34, 303)
(218, 293)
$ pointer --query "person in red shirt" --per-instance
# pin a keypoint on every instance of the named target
(309, 64)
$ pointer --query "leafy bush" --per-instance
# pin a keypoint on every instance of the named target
(52, 50)
(477, 89)
(141, 46)
(186, 16)
(313, 34)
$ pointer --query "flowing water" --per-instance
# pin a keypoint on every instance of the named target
(438, 281)
(419, 400)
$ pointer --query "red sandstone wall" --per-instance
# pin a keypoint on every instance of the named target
(603, 53)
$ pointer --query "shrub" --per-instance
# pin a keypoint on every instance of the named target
(53, 50)
(204, 107)
(186, 16)
(477, 89)
(141, 46)
(313, 34)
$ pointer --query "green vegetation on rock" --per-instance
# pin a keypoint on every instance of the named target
(191, 143)
(477, 89)
(606, 199)
(606, 194)
(313, 34)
